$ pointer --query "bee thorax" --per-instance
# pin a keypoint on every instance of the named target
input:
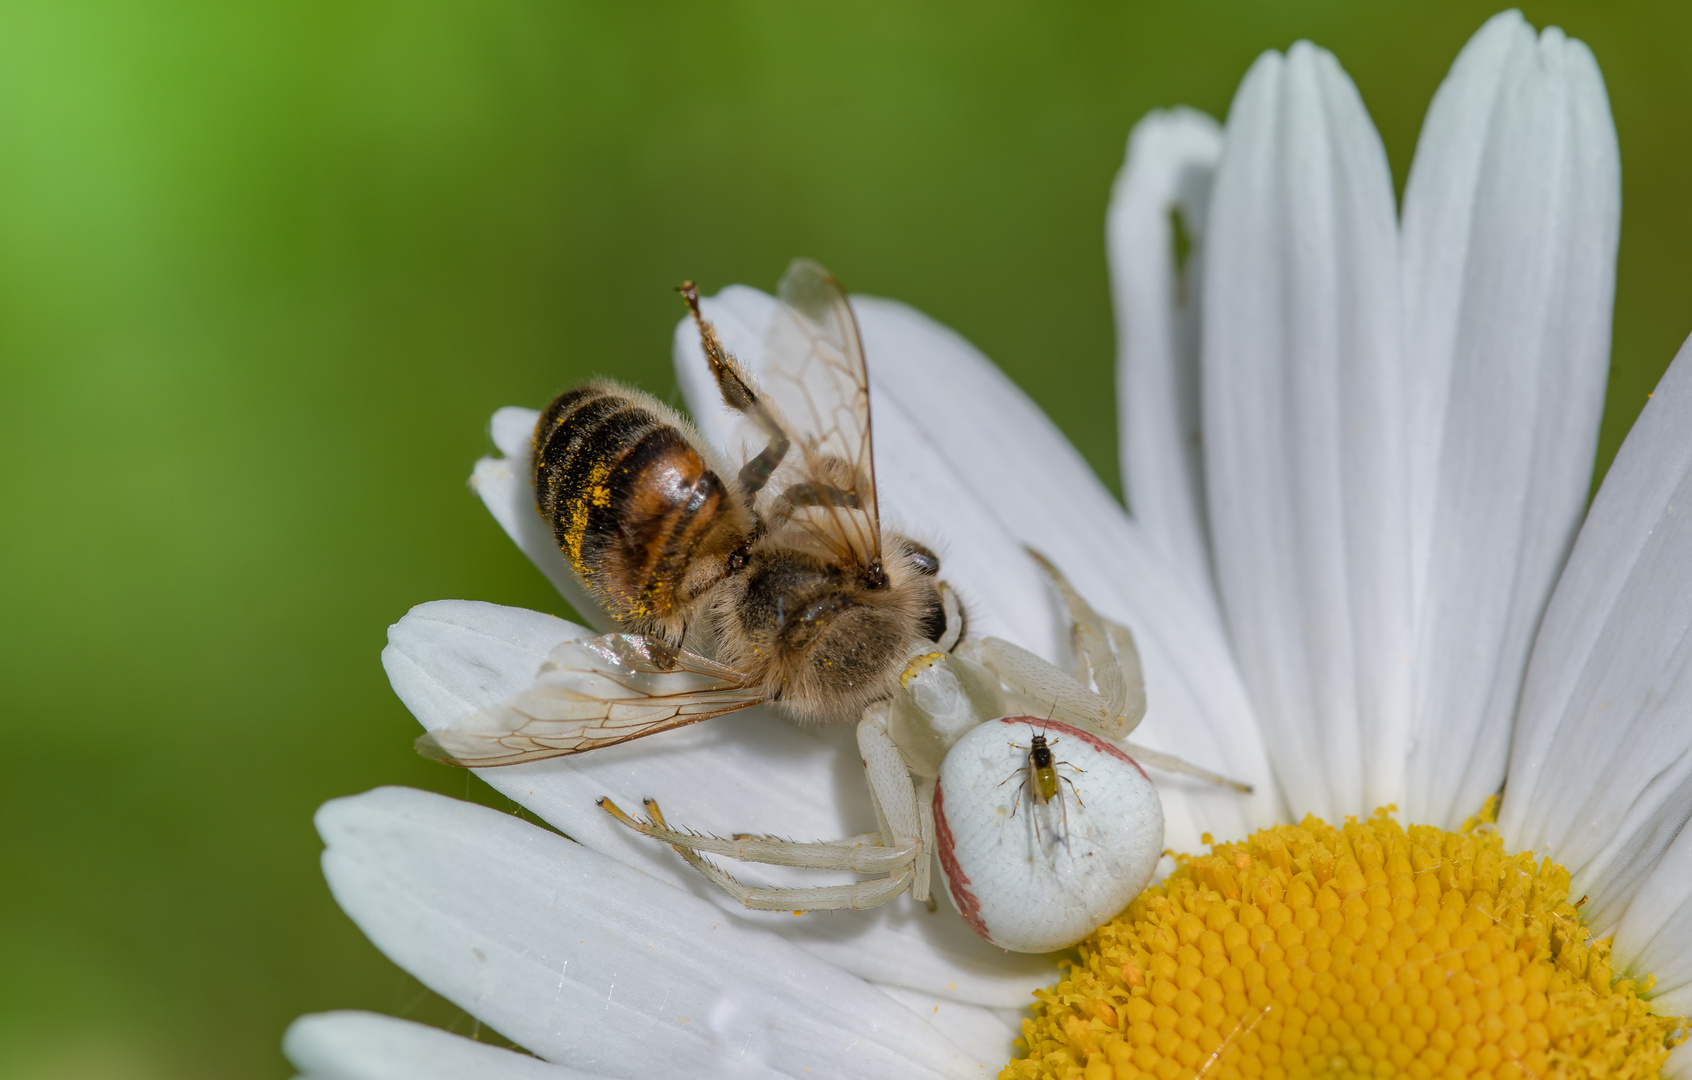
(832, 644)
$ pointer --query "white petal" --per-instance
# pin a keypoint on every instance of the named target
(596, 965)
(512, 431)
(984, 1034)
(1655, 936)
(367, 1046)
(504, 486)
(1171, 161)
(1601, 767)
(1439, 206)
(1003, 593)
(1304, 442)
(1510, 220)
(1016, 463)
(747, 772)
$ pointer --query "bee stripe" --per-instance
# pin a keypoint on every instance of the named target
(628, 497)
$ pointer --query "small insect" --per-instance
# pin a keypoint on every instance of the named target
(1042, 782)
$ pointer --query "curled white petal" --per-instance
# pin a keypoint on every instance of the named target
(1158, 298)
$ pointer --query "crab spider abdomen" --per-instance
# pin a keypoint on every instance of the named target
(1032, 874)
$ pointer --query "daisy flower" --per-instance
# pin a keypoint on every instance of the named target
(1357, 445)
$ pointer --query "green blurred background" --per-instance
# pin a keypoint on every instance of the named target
(266, 268)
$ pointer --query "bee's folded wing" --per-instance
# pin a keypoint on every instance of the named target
(815, 378)
(595, 692)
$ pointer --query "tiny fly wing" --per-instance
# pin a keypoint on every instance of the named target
(595, 692)
(814, 374)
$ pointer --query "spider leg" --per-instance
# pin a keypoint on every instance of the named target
(1103, 650)
(863, 855)
(1157, 759)
(899, 850)
(859, 894)
(893, 794)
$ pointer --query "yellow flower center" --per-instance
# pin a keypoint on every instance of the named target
(1367, 950)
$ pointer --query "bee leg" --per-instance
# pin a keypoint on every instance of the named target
(737, 395)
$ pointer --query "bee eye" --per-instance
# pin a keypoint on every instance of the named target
(922, 560)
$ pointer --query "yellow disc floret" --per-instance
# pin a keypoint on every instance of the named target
(1367, 950)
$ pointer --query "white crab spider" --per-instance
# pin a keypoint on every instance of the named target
(931, 747)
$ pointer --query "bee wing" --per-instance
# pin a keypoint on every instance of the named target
(595, 692)
(814, 374)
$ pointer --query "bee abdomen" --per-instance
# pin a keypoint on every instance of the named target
(631, 501)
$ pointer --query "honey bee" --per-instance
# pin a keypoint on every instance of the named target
(774, 582)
